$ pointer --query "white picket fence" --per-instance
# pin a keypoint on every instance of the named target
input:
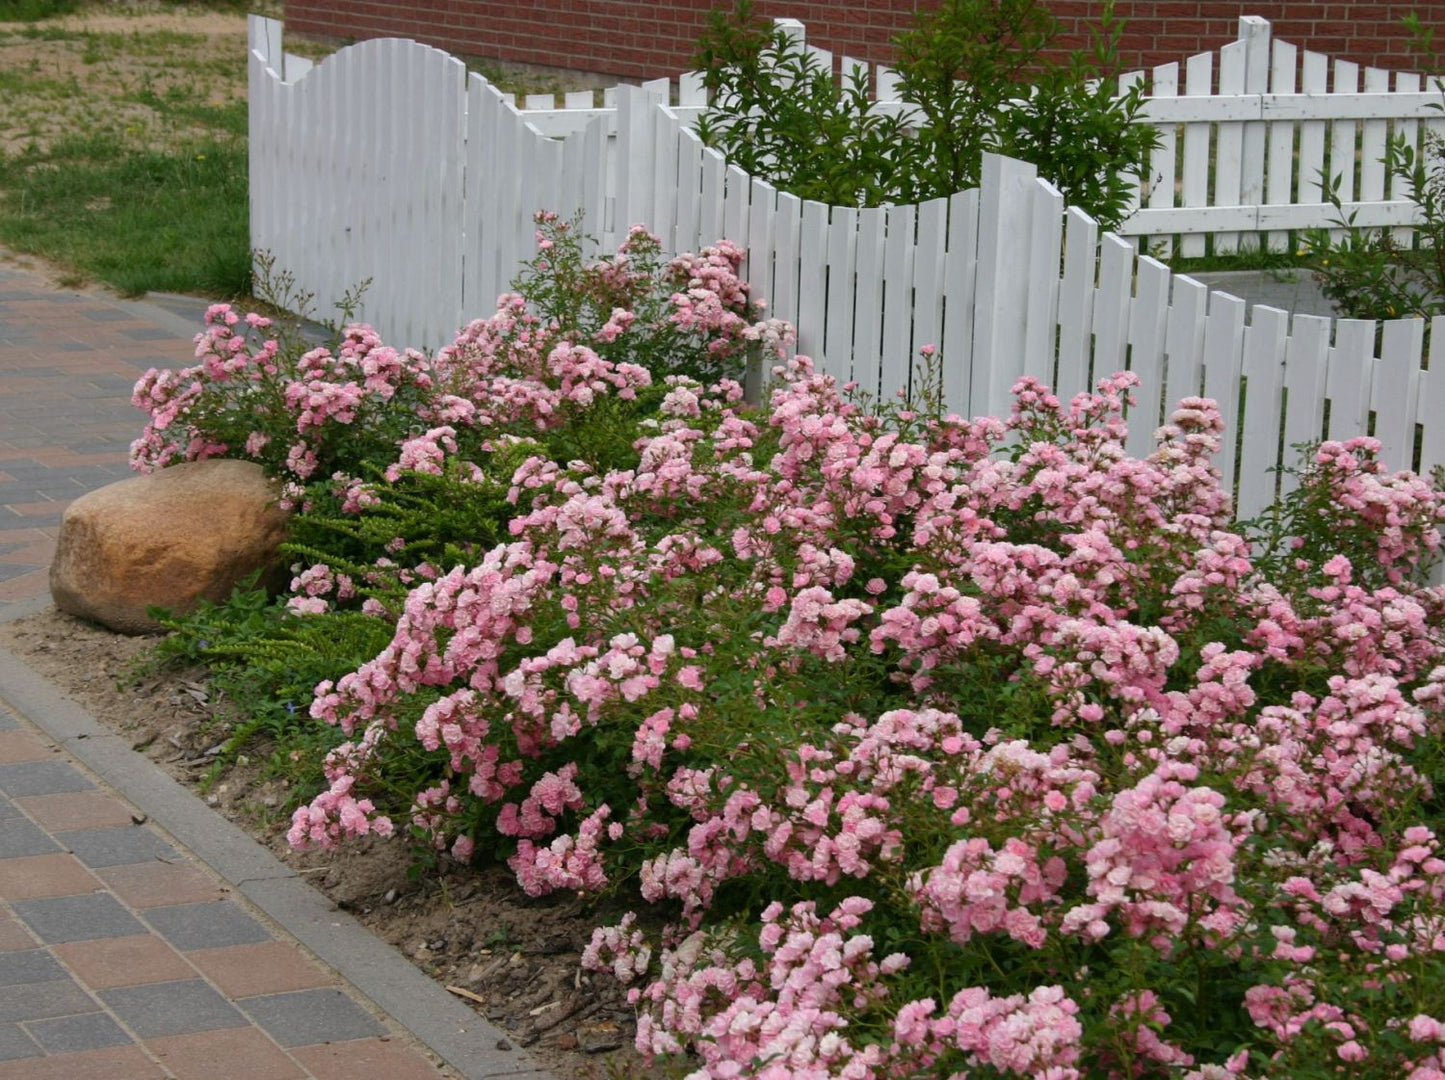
(388, 162)
(1247, 154)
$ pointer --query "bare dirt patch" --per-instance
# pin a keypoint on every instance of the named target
(469, 928)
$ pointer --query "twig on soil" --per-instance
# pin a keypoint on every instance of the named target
(467, 994)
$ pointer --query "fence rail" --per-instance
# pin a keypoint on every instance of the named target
(388, 161)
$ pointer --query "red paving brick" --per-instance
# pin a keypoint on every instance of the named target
(35, 876)
(76, 810)
(123, 961)
(155, 884)
(22, 746)
(365, 1059)
(118, 1063)
(234, 1053)
(270, 967)
(14, 936)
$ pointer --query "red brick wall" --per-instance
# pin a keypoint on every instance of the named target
(653, 38)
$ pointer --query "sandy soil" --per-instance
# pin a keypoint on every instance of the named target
(99, 72)
(467, 928)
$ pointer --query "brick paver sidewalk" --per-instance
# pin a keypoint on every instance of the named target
(121, 957)
(68, 361)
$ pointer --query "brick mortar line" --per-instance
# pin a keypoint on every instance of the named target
(465, 1040)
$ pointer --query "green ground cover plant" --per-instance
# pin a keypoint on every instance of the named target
(947, 748)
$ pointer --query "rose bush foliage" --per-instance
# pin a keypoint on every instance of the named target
(948, 748)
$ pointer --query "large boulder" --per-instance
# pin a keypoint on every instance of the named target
(165, 540)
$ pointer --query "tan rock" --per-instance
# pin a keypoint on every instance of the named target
(165, 540)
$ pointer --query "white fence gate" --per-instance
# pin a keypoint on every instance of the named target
(388, 162)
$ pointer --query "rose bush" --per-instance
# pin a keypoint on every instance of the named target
(950, 748)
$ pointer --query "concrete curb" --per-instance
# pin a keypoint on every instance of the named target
(464, 1040)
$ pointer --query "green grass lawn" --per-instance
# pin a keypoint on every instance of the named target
(123, 144)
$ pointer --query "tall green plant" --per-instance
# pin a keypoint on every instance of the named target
(977, 76)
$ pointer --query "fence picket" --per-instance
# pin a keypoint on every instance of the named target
(1409, 131)
(1372, 142)
(867, 325)
(1165, 84)
(1402, 341)
(928, 282)
(1281, 141)
(1111, 306)
(762, 209)
(1076, 303)
(735, 208)
(1184, 343)
(690, 88)
(1003, 280)
(1314, 78)
(785, 264)
(813, 279)
(1198, 81)
(1229, 161)
(689, 192)
(897, 358)
(1046, 237)
(1147, 319)
(662, 218)
(1264, 349)
(1223, 359)
(960, 276)
(1254, 32)
(1352, 368)
(1341, 175)
(842, 266)
(1306, 363)
(714, 173)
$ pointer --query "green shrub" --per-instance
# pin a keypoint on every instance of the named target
(980, 78)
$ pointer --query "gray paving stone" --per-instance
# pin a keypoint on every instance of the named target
(116, 847)
(78, 918)
(40, 1001)
(173, 1008)
(308, 1017)
(30, 966)
(206, 926)
(15, 1044)
(8, 721)
(20, 836)
(74, 1034)
(41, 778)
